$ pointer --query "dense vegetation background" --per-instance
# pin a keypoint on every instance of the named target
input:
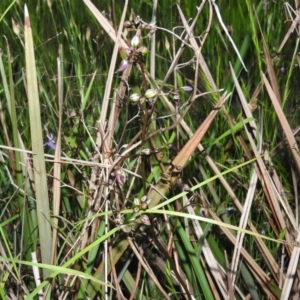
(160, 162)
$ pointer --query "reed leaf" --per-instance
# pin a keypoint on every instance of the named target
(40, 175)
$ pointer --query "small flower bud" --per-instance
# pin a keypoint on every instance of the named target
(121, 177)
(143, 206)
(136, 201)
(128, 25)
(229, 210)
(144, 199)
(16, 27)
(143, 50)
(137, 20)
(123, 65)
(145, 220)
(150, 93)
(146, 151)
(135, 41)
(176, 98)
(186, 188)
(187, 88)
(119, 219)
(203, 213)
(135, 98)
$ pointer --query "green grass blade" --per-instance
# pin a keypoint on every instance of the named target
(195, 263)
(72, 260)
(5, 12)
(41, 188)
(18, 170)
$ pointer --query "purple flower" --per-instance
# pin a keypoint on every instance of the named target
(121, 177)
(203, 213)
(50, 142)
(187, 88)
(123, 65)
(229, 210)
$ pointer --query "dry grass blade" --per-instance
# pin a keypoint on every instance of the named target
(295, 23)
(269, 187)
(284, 124)
(153, 40)
(104, 23)
(270, 67)
(270, 192)
(243, 224)
(207, 252)
(251, 190)
(271, 72)
(227, 33)
(291, 272)
(258, 273)
(273, 266)
(182, 157)
(197, 49)
(122, 88)
(243, 100)
(180, 51)
(40, 176)
(189, 148)
(111, 72)
(57, 165)
(147, 268)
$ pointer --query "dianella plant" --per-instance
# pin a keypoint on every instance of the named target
(143, 160)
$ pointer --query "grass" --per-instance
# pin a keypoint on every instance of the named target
(174, 177)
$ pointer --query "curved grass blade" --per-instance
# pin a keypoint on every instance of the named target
(71, 261)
